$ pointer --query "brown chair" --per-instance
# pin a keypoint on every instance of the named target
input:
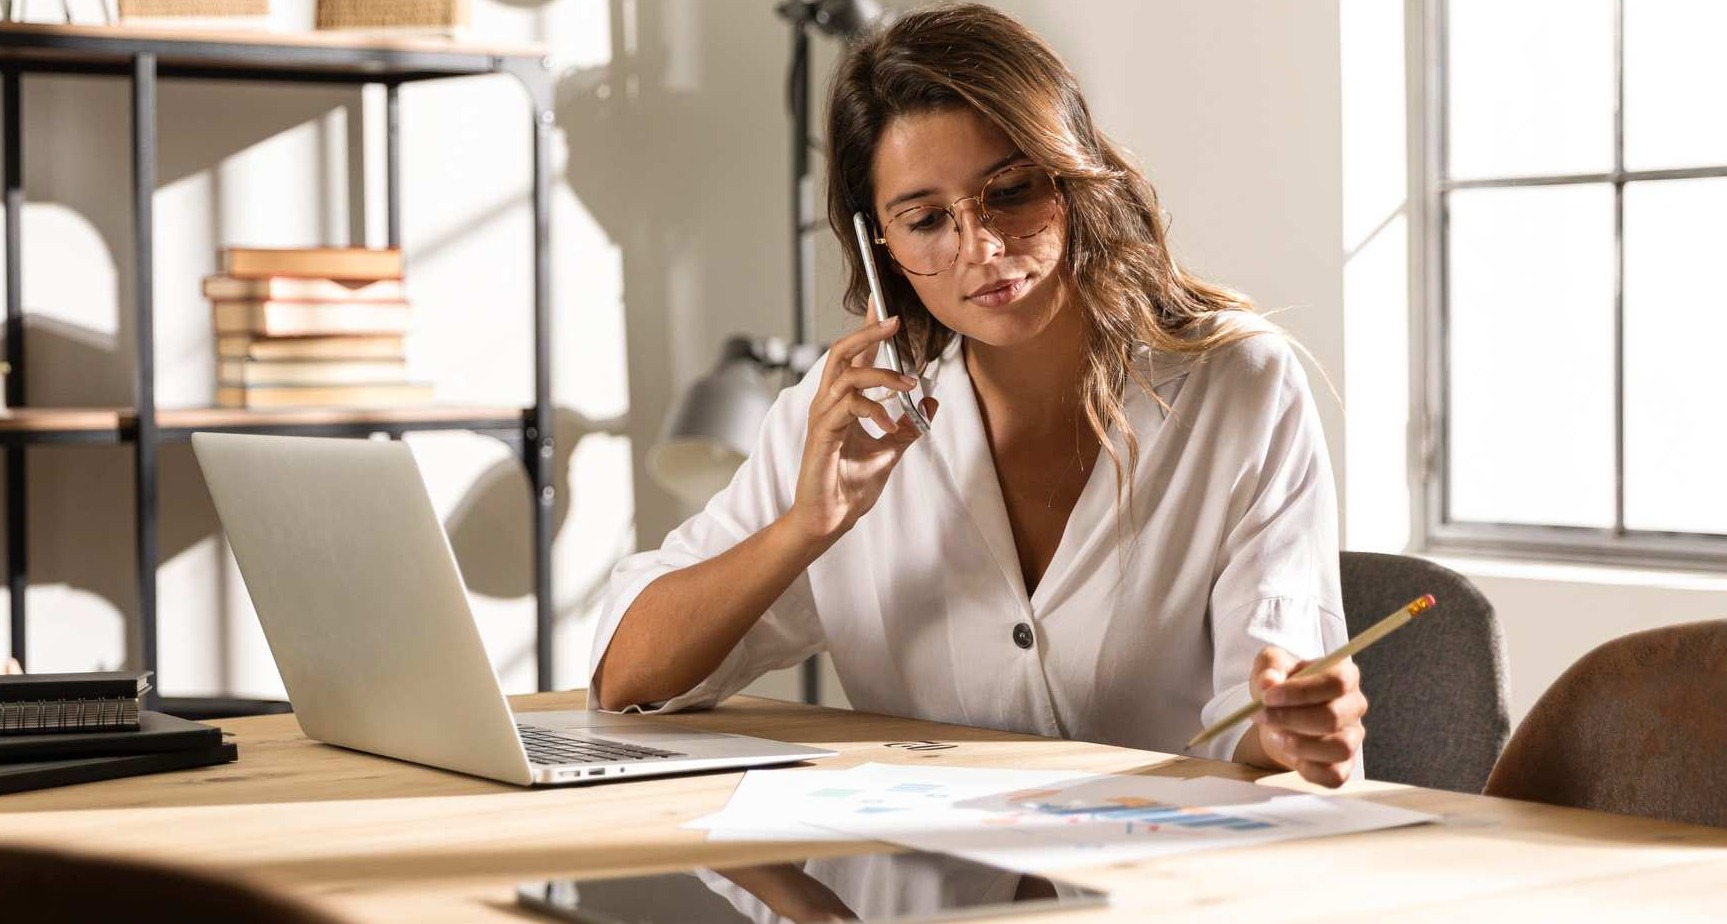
(1637, 726)
(48, 887)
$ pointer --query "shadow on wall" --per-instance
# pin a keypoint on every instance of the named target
(678, 149)
(491, 536)
(490, 530)
(77, 156)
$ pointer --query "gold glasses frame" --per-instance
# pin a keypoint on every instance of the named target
(951, 209)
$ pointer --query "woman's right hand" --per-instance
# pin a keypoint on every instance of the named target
(844, 468)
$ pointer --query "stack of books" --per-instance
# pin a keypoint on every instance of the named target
(319, 327)
(59, 729)
(196, 14)
(436, 17)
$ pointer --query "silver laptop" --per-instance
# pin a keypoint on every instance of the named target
(368, 620)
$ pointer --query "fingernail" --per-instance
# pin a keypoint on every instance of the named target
(909, 381)
(1272, 736)
(1274, 697)
(890, 320)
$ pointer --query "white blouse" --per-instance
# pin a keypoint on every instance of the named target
(1142, 630)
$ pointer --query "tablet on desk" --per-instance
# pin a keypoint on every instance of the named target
(879, 887)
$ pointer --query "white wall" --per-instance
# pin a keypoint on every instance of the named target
(1553, 614)
(1232, 108)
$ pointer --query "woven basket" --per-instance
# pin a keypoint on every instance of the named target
(133, 9)
(440, 15)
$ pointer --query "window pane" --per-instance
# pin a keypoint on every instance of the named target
(1675, 83)
(1531, 345)
(1530, 87)
(1675, 379)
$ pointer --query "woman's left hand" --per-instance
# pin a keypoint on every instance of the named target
(1312, 725)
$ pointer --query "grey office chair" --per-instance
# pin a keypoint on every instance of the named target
(1435, 688)
(1635, 726)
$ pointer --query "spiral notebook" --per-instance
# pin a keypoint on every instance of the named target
(33, 704)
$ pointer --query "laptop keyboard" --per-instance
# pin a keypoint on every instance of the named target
(549, 747)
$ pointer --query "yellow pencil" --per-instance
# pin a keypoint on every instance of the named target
(1354, 646)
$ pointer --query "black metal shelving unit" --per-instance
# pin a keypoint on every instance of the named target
(143, 58)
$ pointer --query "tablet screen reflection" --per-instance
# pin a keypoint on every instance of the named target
(876, 887)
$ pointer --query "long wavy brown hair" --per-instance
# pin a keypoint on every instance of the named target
(1127, 285)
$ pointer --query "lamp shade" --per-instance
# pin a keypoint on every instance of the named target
(714, 426)
(846, 18)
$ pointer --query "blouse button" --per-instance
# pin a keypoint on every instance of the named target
(1022, 635)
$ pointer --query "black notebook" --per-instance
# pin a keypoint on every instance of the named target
(156, 733)
(43, 774)
(49, 703)
(86, 685)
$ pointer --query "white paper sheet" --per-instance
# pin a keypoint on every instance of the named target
(1031, 820)
(790, 805)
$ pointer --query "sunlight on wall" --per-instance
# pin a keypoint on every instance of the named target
(1377, 368)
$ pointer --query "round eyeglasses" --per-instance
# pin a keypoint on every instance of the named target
(1019, 202)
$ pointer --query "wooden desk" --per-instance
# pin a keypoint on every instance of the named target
(380, 840)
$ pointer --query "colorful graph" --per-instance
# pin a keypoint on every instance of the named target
(1140, 814)
(1075, 811)
(899, 797)
(1035, 820)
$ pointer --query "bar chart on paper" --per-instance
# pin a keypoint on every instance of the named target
(1049, 805)
(1109, 819)
(1136, 814)
(903, 797)
(1034, 820)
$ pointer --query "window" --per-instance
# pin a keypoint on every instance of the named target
(1576, 278)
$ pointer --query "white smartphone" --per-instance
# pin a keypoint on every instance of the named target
(878, 311)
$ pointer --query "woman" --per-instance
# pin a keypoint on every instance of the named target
(993, 572)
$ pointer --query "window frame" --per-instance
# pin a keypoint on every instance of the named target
(1617, 545)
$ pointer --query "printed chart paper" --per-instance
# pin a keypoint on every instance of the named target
(1035, 820)
(788, 805)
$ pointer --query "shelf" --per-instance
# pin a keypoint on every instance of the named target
(60, 425)
(119, 424)
(434, 416)
(141, 56)
(341, 56)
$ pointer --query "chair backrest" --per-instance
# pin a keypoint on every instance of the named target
(1637, 726)
(50, 887)
(1435, 688)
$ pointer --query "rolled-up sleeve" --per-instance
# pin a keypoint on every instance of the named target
(1277, 569)
(759, 493)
